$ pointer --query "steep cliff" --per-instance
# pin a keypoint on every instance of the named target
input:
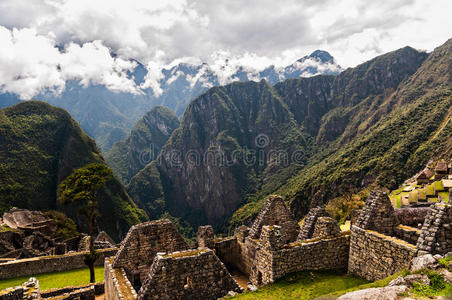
(143, 144)
(376, 123)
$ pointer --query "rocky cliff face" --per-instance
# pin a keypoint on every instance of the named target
(353, 129)
(220, 153)
(143, 144)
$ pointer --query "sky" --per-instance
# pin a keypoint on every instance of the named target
(45, 43)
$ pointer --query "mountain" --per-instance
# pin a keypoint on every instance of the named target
(312, 139)
(143, 144)
(108, 116)
(40, 146)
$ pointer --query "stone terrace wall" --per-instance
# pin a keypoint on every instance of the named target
(275, 212)
(436, 234)
(375, 256)
(142, 243)
(274, 260)
(99, 289)
(46, 264)
(117, 286)
(192, 274)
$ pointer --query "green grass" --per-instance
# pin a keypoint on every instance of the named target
(57, 279)
(438, 186)
(430, 190)
(444, 195)
(302, 285)
(375, 284)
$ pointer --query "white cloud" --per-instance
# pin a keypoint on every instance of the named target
(157, 33)
(31, 63)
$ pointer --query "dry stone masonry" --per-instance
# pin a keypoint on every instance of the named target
(142, 243)
(191, 274)
(436, 234)
(381, 246)
(47, 264)
(275, 212)
(307, 230)
(378, 214)
(27, 291)
(205, 237)
(155, 262)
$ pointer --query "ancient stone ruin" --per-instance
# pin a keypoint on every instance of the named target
(381, 246)
(275, 246)
(27, 291)
(155, 262)
(142, 243)
(27, 234)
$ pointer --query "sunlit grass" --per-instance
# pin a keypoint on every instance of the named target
(57, 279)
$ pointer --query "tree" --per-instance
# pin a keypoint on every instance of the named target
(82, 188)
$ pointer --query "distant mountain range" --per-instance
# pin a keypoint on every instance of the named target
(109, 116)
(308, 139)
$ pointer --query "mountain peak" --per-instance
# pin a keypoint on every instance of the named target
(321, 55)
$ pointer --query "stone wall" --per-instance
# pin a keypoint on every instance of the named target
(326, 227)
(191, 274)
(275, 259)
(411, 216)
(436, 234)
(205, 237)
(141, 244)
(378, 214)
(407, 233)
(307, 230)
(27, 291)
(99, 289)
(84, 293)
(375, 256)
(46, 264)
(238, 251)
(275, 212)
(117, 285)
(228, 251)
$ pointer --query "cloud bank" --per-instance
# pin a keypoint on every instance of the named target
(47, 42)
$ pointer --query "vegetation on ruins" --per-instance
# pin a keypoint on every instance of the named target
(83, 187)
(66, 226)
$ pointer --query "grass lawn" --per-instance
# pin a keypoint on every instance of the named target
(58, 279)
(302, 285)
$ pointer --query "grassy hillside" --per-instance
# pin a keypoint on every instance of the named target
(40, 146)
(382, 140)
